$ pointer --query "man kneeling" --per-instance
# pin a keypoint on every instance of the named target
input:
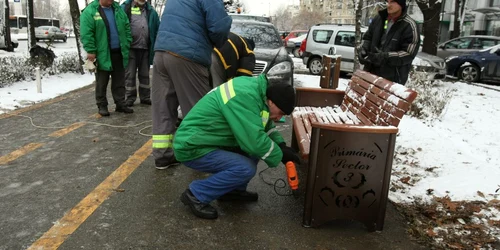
(226, 133)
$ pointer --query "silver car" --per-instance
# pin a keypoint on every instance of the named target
(50, 33)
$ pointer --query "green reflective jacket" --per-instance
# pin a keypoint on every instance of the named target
(94, 34)
(235, 114)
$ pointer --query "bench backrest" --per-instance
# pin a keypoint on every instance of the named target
(375, 100)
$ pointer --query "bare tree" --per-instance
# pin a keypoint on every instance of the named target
(31, 26)
(358, 6)
(456, 21)
(431, 10)
(282, 19)
(6, 28)
(305, 19)
(64, 16)
(158, 5)
(75, 16)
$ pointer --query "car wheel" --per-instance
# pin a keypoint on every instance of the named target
(38, 40)
(315, 66)
(469, 73)
(65, 39)
(295, 52)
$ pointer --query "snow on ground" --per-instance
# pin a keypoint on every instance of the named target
(461, 148)
(23, 94)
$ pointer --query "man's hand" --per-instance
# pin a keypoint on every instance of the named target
(289, 154)
(362, 56)
(91, 57)
(378, 58)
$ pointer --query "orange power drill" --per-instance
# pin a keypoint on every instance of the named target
(293, 179)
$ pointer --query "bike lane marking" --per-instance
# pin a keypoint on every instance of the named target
(68, 224)
(67, 130)
(19, 152)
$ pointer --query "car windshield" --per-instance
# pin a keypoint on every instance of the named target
(264, 35)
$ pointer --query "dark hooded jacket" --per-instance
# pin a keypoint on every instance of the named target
(397, 51)
(236, 55)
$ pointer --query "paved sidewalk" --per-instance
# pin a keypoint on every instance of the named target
(88, 186)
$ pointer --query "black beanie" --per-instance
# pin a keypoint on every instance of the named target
(283, 95)
(401, 3)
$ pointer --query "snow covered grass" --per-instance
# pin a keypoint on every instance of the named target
(19, 68)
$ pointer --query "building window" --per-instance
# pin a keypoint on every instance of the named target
(495, 3)
(493, 27)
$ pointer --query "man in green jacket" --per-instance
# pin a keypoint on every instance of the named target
(144, 23)
(106, 37)
(226, 133)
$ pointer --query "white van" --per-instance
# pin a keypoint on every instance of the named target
(322, 37)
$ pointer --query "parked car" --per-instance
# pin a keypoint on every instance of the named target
(295, 33)
(51, 33)
(321, 38)
(297, 41)
(476, 66)
(270, 53)
(466, 44)
(247, 17)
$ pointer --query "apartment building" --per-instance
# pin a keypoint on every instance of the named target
(334, 11)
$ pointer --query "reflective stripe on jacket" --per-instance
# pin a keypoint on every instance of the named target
(233, 115)
(153, 25)
(236, 56)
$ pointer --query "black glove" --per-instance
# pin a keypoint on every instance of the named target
(289, 154)
(378, 58)
(362, 55)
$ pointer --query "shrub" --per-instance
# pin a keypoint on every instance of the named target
(20, 68)
(433, 96)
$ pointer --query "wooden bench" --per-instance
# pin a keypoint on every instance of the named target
(348, 139)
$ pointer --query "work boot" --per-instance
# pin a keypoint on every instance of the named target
(202, 210)
(147, 102)
(103, 110)
(124, 109)
(129, 103)
(239, 195)
(159, 166)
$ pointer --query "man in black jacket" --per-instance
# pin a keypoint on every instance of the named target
(234, 58)
(391, 43)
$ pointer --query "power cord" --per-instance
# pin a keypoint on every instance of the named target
(275, 184)
(95, 123)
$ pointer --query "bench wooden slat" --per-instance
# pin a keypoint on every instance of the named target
(307, 124)
(396, 89)
(373, 94)
(382, 116)
(363, 113)
(303, 141)
(382, 95)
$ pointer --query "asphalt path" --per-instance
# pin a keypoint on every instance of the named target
(71, 179)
